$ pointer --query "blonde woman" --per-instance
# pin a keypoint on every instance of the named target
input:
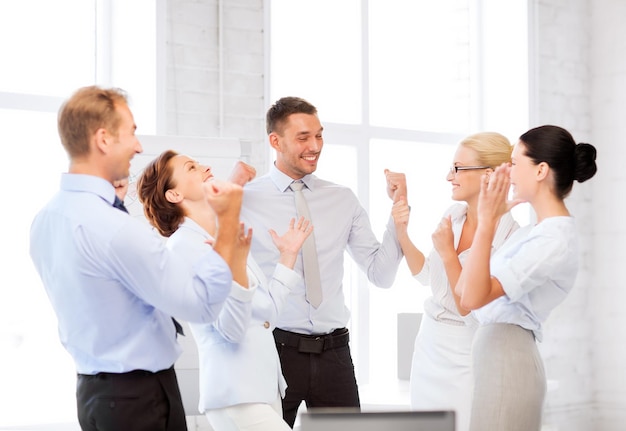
(441, 373)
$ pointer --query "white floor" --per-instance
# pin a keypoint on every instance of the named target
(383, 397)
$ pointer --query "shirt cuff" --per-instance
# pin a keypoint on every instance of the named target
(286, 276)
(240, 293)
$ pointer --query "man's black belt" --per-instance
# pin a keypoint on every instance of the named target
(312, 343)
(127, 375)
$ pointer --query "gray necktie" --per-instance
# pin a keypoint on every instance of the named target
(309, 252)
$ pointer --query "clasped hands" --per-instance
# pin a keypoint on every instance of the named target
(397, 192)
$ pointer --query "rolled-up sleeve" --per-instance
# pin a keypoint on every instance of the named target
(528, 265)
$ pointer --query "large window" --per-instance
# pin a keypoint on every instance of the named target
(49, 49)
(397, 84)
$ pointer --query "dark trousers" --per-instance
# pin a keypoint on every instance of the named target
(135, 401)
(318, 371)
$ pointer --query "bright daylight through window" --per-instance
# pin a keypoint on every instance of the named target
(64, 45)
(397, 84)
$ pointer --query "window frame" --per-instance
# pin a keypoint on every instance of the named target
(107, 73)
(359, 135)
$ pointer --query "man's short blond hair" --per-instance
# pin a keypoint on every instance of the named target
(86, 111)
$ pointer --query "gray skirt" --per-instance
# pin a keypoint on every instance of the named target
(509, 379)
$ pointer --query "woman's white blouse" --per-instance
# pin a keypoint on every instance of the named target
(537, 268)
(441, 305)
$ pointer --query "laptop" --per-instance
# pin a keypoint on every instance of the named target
(342, 420)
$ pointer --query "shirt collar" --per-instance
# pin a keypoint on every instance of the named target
(458, 211)
(189, 223)
(282, 181)
(88, 184)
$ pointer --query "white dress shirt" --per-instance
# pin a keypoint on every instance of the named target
(113, 284)
(441, 305)
(340, 224)
(537, 268)
(238, 358)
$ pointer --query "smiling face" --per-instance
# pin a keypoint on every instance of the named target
(466, 183)
(189, 178)
(298, 145)
(523, 173)
(125, 144)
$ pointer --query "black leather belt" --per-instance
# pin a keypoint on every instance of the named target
(127, 375)
(312, 343)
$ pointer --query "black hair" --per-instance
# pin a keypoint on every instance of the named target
(568, 160)
(279, 112)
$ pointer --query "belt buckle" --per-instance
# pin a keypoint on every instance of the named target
(311, 345)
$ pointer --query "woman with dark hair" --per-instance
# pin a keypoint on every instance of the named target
(512, 292)
(241, 383)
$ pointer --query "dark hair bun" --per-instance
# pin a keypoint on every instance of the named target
(585, 162)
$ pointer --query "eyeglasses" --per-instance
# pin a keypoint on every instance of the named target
(456, 169)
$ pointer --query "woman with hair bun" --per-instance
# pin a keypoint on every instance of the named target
(512, 292)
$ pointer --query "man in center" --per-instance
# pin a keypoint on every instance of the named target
(311, 334)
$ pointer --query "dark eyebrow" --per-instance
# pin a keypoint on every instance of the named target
(308, 132)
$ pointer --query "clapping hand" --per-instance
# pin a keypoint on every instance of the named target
(493, 200)
(290, 242)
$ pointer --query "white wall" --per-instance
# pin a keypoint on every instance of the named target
(607, 64)
(579, 82)
(215, 71)
(560, 66)
(581, 85)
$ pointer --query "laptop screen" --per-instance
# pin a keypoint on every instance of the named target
(376, 421)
